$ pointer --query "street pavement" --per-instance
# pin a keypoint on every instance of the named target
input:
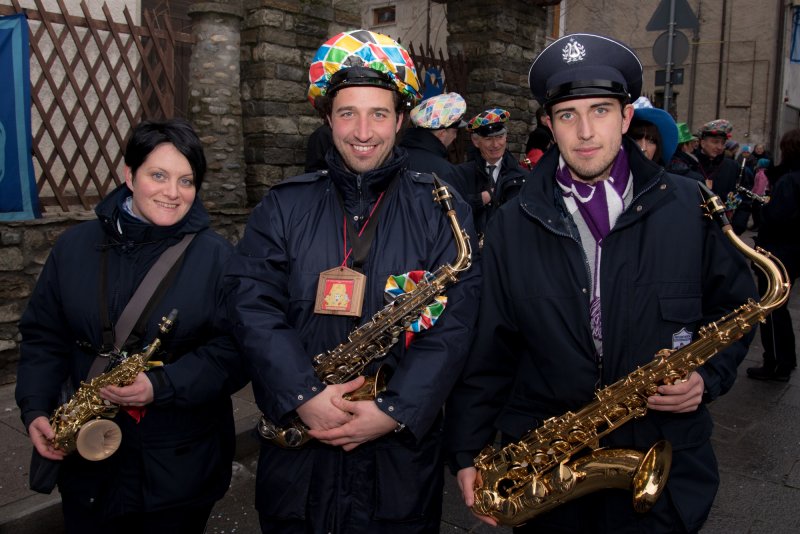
(756, 438)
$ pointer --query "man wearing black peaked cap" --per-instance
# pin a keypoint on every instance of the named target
(602, 260)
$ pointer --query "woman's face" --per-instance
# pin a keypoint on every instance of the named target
(163, 187)
(647, 138)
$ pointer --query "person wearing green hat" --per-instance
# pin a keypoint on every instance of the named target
(312, 267)
(683, 161)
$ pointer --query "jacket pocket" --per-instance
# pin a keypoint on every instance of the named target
(408, 480)
(680, 316)
(185, 473)
(283, 481)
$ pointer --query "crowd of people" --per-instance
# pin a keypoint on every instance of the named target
(577, 263)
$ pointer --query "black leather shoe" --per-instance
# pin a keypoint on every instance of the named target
(769, 373)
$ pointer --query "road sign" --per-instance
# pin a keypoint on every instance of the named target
(684, 16)
(680, 48)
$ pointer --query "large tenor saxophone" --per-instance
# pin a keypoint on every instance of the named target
(538, 473)
(372, 340)
(84, 422)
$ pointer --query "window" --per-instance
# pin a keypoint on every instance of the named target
(383, 15)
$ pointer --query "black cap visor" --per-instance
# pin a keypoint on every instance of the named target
(359, 76)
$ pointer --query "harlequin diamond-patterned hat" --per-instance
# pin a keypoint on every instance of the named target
(375, 59)
(489, 123)
(440, 111)
(716, 128)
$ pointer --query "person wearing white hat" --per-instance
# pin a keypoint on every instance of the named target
(311, 267)
(602, 260)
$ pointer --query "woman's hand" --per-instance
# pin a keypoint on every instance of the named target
(41, 433)
(139, 393)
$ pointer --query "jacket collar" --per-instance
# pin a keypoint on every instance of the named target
(122, 227)
(360, 191)
(541, 198)
(423, 139)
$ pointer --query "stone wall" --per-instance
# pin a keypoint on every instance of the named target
(499, 39)
(278, 40)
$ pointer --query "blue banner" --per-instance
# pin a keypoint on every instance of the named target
(19, 199)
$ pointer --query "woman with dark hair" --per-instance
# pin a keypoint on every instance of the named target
(654, 130)
(177, 439)
(780, 226)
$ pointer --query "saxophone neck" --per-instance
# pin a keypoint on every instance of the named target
(442, 195)
(778, 286)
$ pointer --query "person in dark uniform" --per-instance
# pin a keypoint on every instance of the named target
(314, 248)
(719, 172)
(176, 420)
(602, 260)
(435, 124)
(493, 176)
(778, 233)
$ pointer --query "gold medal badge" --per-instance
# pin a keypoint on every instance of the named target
(340, 291)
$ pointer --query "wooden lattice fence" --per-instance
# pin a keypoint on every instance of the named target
(91, 80)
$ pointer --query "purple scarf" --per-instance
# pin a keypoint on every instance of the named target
(599, 205)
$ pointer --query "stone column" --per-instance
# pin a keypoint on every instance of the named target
(499, 39)
(215, 106)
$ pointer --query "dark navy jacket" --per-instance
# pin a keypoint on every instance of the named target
(780, 227)
(426, 154)
(664, 268)
(181, 451)
(471, 180)
(294, 234)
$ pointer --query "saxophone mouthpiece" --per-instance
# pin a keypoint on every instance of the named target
(168, 321)
(441, 194)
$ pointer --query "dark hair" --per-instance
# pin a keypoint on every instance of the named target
(640, 128)
(538, 138)
(790, 146)
(147, 135)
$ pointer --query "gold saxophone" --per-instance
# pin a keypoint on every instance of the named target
(372, 340)
(84, 422)
(530, 477)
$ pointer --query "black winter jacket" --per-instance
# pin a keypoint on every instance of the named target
(666, 270)
(293, 235)
(471, 180)
(426, 154)
(180, 453)
(780, 225)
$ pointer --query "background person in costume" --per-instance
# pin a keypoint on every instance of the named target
(654, 131)
(376, 465)
(435, 125)
(494, 175)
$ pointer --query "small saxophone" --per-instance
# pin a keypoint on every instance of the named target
(373, 340)
(538, 473)
(84, 422)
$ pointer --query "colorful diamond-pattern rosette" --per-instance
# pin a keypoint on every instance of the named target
(490, 116)
(440, 111)
(362, 48)
(398, 284)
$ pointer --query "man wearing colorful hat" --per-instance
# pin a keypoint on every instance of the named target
(312, 266)
(493, 175)
(435, 124)
(720, 173)
(601, 261)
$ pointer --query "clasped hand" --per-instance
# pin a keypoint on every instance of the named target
(343, 423)
(681, 397)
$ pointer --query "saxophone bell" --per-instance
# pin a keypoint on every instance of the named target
(98, 439)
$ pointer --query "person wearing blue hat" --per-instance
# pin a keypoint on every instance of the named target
(311, 268)
(654, 131)
(435, 123)
(493, 175)
(601, 261)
